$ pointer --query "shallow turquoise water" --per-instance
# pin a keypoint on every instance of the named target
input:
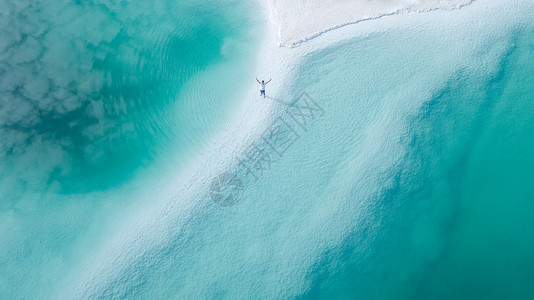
(458, 221)
(92, 94)
(490, 242)
(416, 182)
(96, 84)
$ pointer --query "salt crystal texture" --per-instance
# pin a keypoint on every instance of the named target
(299, 21)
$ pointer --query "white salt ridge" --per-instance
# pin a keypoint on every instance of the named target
(271, 240)
(299, 21)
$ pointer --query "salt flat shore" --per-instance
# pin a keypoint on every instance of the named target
(298, 21)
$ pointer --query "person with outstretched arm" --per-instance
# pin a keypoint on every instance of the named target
(263, 84)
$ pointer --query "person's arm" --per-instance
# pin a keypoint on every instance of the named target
(257, 80)
(269, 81)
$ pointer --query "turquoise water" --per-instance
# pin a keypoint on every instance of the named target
(416, 181)
(97, 84)
(92, 95)
(457, 221)
(490, 241)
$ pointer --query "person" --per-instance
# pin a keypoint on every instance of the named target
(263, 84)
